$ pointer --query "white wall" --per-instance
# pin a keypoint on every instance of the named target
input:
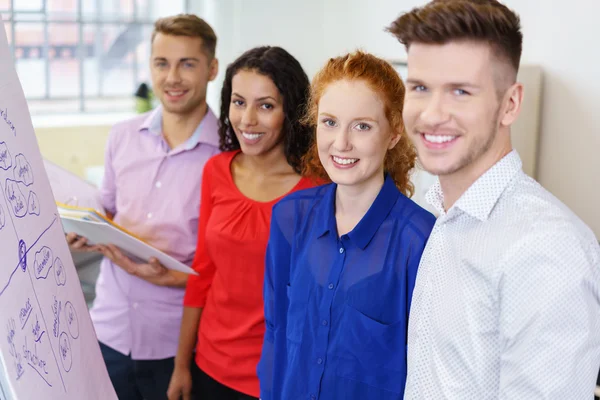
(313, 30)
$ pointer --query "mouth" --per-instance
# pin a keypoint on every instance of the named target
(344, 162)
(436, 141)
(174, 95)
(252, 137)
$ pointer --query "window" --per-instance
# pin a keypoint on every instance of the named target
(82, 55)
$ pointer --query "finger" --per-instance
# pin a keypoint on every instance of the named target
(71, 237)
(106, 252)
(80, 243)
(156, 265)
(117, 252)
(187, 395)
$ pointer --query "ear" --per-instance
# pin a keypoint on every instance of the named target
(513, 100)
(213, 69)
(394, 140)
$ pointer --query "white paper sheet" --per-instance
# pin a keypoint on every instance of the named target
(48, 347)
(103, 233)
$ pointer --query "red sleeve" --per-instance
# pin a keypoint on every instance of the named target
(198, 286)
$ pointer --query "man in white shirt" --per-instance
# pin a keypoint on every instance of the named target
(507, 301)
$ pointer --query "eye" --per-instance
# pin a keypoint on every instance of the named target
(160, 64)
(418, 88)
(237, 102)
(266, 106)
(461, 92)
(363, 126)
(189, 65)
(328, 122)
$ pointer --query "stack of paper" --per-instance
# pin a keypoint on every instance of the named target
(81, 212)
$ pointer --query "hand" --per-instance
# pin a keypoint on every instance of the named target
(78, 244)
(153, 271)
(180, 386)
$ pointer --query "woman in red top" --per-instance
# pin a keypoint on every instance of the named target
(263, 96)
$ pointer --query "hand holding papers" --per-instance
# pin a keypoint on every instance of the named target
(81, 213)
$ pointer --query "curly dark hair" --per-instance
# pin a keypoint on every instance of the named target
(293, 85)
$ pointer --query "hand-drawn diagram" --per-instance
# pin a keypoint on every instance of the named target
(41, 332)
(59, 273)
(16, 198)
(66, 356)
(33, 204)
(23, 172)
(5, 158)
(72, 321)
(48, 348)
(2, 217)
(43, 263)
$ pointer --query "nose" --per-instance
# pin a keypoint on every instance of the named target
(174, 76)
(435, 111)
(249, 117)
(342, 140)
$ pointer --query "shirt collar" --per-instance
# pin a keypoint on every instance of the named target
(364, 231)
(481, 197)
(207, 131)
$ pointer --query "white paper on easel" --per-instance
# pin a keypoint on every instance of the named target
(48, 347)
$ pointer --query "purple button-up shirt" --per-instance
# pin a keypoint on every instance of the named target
(154, 192)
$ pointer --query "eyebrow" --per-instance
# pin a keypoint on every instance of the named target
(451, 84)
(180, 60)
(259, 99)
(354, 119)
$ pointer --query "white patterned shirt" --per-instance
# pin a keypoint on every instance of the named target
(506, 303)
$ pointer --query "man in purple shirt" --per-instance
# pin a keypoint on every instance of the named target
(153, 172)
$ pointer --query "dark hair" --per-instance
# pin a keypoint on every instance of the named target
(443, 21)
(188, 25)
(293, 85)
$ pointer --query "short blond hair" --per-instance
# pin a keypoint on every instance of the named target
(188, 25)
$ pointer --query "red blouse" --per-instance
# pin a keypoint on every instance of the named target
(233, 232)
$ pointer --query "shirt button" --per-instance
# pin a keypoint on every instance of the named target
(319, 361)
(341, 250)
(324, 322)
(158, 185)
(135, 305)
(330, 286)
(313, 397)
(149, 215)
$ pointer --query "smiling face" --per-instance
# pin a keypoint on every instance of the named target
(180, 72)
(353, 134)
(256, 112)
(454, 107)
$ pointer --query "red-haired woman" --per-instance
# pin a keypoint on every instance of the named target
(342, 258)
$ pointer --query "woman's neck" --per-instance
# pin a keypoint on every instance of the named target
(353, 201)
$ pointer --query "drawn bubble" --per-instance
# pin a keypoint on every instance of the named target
(33, 204)
(72, 320)
(2, 217)
(59, 272)
(22, 255)
(5, 158)
(23, 172)
(43, 263)
(16, 198)
(64, 350)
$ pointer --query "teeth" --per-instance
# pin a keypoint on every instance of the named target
(252, 136)
(174, 93)
(344, 161)
(439, 138)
